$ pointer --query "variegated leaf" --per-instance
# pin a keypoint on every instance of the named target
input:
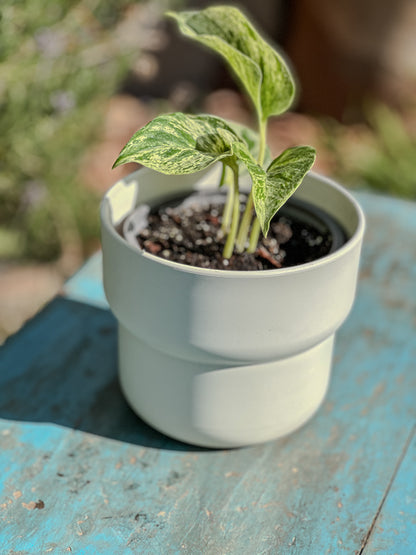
(261, 70)
(283, 177)
(179, 143)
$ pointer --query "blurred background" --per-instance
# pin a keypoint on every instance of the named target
(78, 78)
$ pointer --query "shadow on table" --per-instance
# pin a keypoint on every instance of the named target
(62, 368)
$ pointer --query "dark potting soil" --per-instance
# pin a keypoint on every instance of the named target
(191, 234)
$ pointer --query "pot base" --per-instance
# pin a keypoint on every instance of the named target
(221, 405)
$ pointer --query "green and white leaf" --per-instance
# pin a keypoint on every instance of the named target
(179, 143)
(283, 177)
(261, 70)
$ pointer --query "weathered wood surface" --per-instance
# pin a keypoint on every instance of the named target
(80, 473)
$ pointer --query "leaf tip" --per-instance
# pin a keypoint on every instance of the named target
(117, 163)
(265, 229)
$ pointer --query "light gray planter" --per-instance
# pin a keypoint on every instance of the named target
(224, 358)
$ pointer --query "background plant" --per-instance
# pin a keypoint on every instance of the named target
(59, 63)
(379, 154)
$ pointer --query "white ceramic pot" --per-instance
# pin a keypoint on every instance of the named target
(225, 358)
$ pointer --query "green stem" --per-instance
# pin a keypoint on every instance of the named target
(228, 208)
(262, 145)
(254, 236)
(229, 244)
(248, 212)
(222, 178)
(245, 224)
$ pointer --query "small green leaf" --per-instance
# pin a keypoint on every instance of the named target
(283, 177)
(261, 70)
(179, 143)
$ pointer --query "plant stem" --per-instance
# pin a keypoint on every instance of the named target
(254, 236)
(229, 244)
(248, 212)
(228, 208)
(222, 178)
(262, 145)
(245, 224)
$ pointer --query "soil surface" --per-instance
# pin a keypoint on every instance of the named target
(190, 233)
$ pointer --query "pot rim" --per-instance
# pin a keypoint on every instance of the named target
(349, 245)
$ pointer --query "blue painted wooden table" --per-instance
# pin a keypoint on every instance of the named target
(80, 473)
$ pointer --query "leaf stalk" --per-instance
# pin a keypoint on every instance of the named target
(249, 209)
(228, 207)
(230, 242)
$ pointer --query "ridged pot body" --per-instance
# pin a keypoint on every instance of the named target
(224, 358)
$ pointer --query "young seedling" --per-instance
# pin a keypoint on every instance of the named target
(178, 143)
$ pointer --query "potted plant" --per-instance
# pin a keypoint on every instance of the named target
(230, 353)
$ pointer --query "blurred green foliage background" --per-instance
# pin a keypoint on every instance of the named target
(379, 154)
(59, 62)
